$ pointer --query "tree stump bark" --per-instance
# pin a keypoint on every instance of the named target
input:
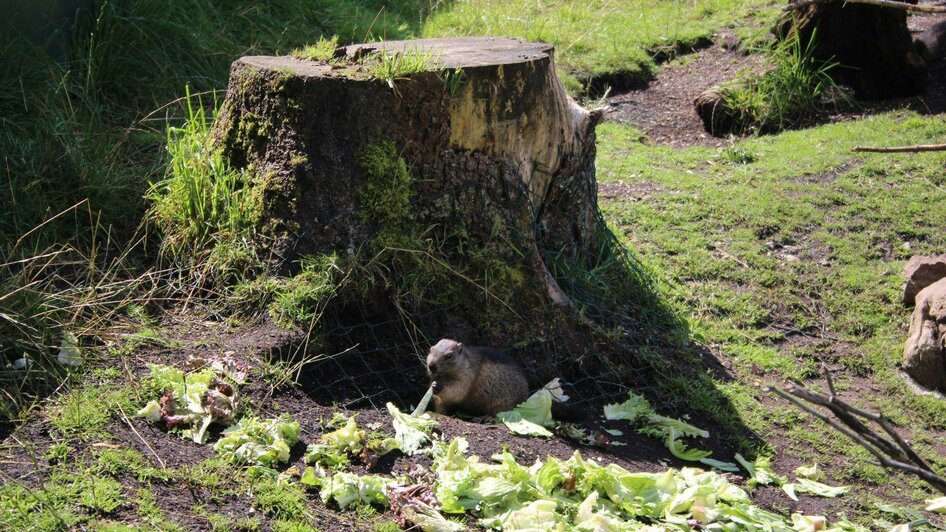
(496, 152)
(872, 44)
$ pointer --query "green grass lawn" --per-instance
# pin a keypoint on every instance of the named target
(791, 260)
(603, 36)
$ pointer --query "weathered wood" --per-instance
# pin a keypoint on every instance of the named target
(872, 44)
(894, 453)
(499, 153)
(890, 4)
(901, 149)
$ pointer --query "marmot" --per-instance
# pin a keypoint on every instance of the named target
(476, 381)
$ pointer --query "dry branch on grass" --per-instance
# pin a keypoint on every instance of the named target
(892, 451)
(893, 4)
(917, 148)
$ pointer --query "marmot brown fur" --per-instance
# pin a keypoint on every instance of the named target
(476, 381)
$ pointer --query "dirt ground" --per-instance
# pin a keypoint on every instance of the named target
(664, 110)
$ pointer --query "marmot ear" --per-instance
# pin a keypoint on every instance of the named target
(459, 345)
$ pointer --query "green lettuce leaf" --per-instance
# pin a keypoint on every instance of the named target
(679, 449)
(326, 455)
(410, 432)
(761, 472)
(803, 485)
(531, 418)
(728, 467)
(811, 472)
(258, 442)
(348, 439)
(636, 407)
(937, 505)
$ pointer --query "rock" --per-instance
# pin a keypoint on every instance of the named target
(924, 355)
(931, 44)
(920, 272)
(719, 119)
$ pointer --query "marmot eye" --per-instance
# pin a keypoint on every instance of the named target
(448, 355)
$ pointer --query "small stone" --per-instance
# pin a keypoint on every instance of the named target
(825, 262)
(922, 271)
(790, 258)
(21, 363)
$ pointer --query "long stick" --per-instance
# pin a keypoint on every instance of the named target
(880, 3)
(902, 149)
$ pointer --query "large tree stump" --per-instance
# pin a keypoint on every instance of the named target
(872, 44)
(498, 155)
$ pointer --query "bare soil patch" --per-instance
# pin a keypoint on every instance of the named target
(664, 110)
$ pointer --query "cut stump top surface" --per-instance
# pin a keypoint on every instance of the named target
(462, 52)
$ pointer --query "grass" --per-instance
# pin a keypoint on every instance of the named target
(323, 50)
(601, 37)
(797, 88)
(392, 66)
(787, 258)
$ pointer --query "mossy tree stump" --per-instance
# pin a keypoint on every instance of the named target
(872, 44)
(478, 149)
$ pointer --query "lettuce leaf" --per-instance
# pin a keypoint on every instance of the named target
(761, 472)
(811, 472)
(259, 442)
(728, 467)
(348, 439)
(191, 401)
(679, 449)
(937, 505)
(410, 432)
(531, 418)
(803, 485)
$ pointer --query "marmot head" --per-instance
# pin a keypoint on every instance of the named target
(447, 360)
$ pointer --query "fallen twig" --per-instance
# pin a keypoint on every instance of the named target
(894, 453)
(879, 3)
(902, 149)
(132, 427)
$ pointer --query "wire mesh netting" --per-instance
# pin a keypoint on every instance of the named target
(378, 358)
(380, 353)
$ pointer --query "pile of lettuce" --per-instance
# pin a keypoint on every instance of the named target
(335, 450)
(258, 442)
(574, 494)
(190, 401)
(579, 494)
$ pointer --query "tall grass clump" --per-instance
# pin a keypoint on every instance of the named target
(201, 198)
(797, 89)
(391, 66)
(323, 50)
